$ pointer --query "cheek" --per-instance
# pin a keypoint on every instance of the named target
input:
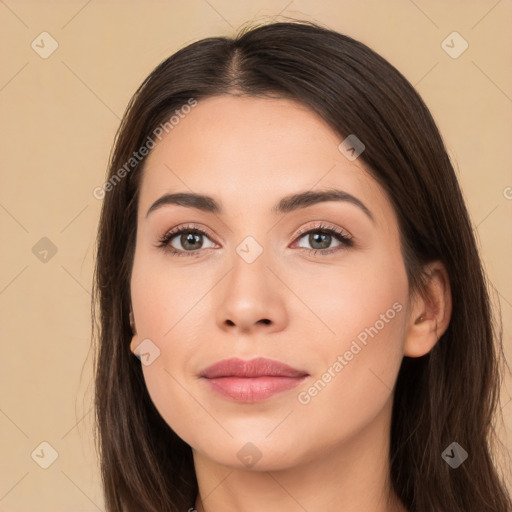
(163, 295)
(168, 393)
(362, 349)
(355, 383)
(344, 300)
(166, 308)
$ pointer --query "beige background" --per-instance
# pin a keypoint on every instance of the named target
(59, 116)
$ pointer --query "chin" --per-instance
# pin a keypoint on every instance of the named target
(242, 454)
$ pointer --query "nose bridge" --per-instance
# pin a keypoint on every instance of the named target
(251, 239)
(250, 261)
(250, 294)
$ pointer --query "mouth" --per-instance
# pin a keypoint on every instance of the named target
(251, 381)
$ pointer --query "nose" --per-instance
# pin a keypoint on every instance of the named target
(251, 298)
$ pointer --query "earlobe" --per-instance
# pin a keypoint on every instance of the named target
(133, 346)
(134, 341)
(430, 314)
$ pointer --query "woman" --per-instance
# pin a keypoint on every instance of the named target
(293, 314)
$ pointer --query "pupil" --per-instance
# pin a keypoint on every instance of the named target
(313, 240)
(190, 238)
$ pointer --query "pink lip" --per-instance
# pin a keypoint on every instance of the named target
(253, 380)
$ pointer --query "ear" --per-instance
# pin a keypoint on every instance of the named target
(429, 315)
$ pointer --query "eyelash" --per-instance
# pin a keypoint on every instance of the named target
(346, 241)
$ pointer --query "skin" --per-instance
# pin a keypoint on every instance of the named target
(330, 454)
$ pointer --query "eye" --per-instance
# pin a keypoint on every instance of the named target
(321, 236)
(190, 239)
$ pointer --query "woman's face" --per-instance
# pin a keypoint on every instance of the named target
(265, 281)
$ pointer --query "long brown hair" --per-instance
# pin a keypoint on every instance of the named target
(449, 395)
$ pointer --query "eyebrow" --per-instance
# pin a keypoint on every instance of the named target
(285, 205)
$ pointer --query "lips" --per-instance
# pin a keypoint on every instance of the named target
(251, 381)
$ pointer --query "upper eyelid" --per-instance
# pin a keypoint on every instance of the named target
(323, 225)
(187, 227)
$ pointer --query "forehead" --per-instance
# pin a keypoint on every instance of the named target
(249, 152)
